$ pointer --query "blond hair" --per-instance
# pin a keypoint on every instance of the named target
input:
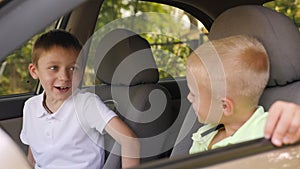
(241, 62)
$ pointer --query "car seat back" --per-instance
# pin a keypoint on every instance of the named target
(281, 39)
(129, 77)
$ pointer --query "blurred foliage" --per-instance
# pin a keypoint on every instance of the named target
(15, 78)
(290, 8)
(167, 36)
(14, 75)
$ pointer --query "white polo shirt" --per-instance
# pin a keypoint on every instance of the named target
(72, 137)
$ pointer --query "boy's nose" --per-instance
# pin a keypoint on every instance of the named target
(65, 75)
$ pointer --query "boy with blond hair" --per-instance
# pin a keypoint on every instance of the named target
(226, 78)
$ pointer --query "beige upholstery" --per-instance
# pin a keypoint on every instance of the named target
(11, 156)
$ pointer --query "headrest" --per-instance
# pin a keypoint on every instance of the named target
(125, 59)
(277, 32)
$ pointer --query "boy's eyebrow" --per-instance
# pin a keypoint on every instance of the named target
(57, 62)
(52, 62)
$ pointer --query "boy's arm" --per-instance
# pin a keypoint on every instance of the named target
(30, 157)
(130, 146)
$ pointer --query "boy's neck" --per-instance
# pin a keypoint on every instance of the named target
(226, 131)
(231, 125)
(230, 129)
(238, 118)
(51, 106)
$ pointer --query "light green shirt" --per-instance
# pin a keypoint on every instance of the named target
(252, 129)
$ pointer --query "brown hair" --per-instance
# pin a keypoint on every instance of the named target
(53, 38)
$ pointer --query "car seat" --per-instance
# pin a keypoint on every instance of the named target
(281, 39)
(129, 76)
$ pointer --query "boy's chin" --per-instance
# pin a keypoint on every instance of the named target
(65, 97)
(202, 121)
(208, 121)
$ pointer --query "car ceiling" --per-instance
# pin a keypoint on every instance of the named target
(21, 19)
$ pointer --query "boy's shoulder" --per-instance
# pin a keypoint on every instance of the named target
(83, 94)
(35, 99)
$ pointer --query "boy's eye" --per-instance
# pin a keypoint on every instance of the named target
(53, 67)
(73, 68)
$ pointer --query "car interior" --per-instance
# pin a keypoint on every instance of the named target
(128, 74)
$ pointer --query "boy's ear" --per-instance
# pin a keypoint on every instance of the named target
(227, 106)
(32, 71)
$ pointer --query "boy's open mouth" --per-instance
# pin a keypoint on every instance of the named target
(62, 89)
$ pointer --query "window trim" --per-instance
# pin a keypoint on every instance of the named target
(217, 156)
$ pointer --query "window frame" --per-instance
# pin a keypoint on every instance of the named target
(219, 155)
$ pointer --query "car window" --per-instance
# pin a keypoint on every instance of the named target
(14, 75)
(171, 32)
(290, 8)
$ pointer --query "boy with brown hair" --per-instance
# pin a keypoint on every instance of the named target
(64, 125)
(226, 78)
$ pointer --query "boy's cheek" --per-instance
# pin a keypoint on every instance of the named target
(75, 80)
(196, 108)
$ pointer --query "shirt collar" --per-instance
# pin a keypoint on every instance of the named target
(240, 135)
(249, 123)
(59, 115)
(40, 109)
(205, 133)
